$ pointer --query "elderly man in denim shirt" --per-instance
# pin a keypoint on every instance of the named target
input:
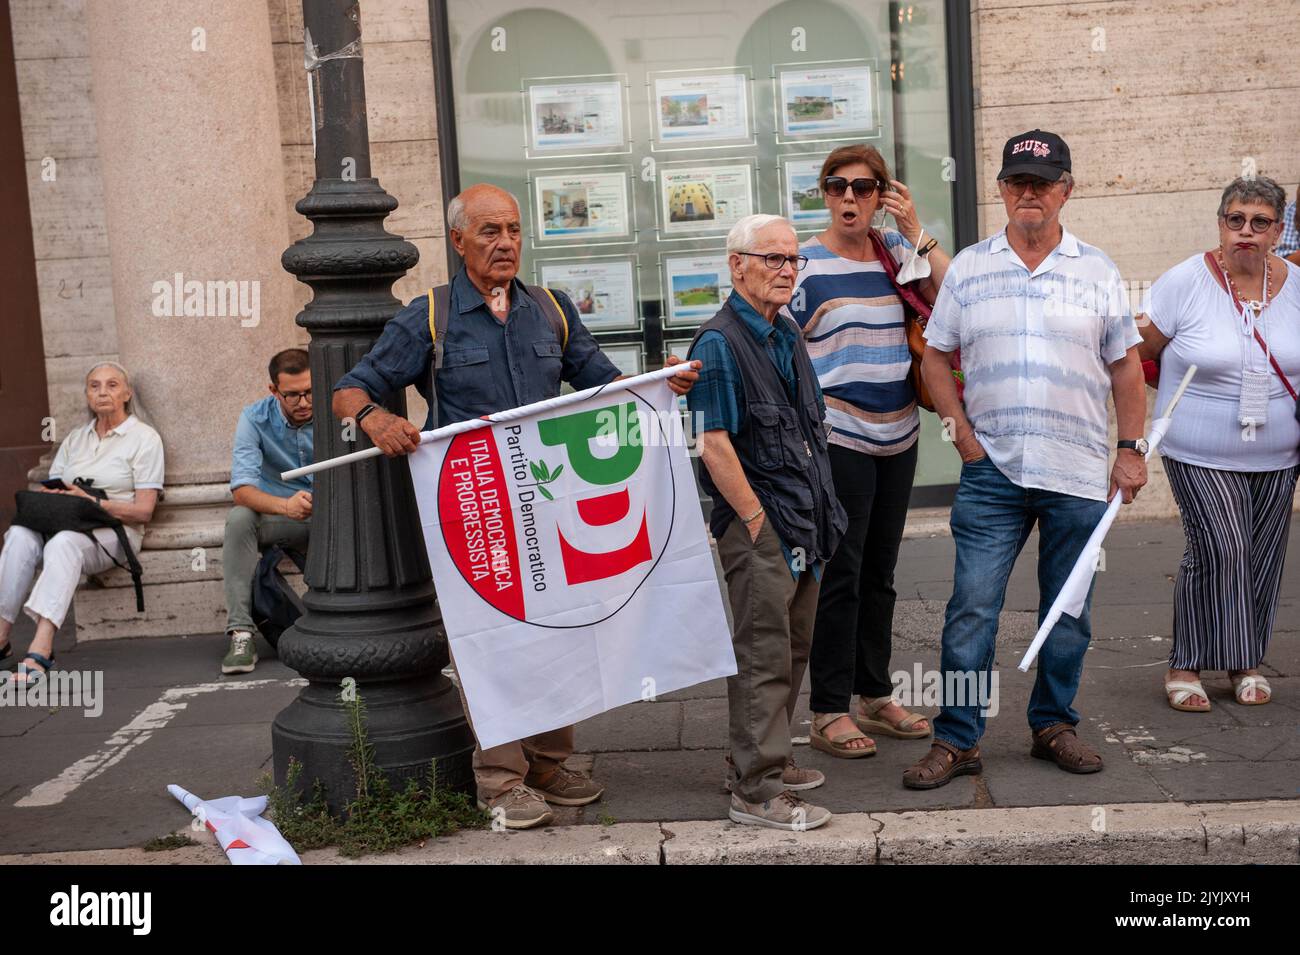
(501, 350)
(274, 435)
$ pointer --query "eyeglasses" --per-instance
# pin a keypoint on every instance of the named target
(836, 186)
(1018, 184)
(293, 397)
(1236, 220)
(774, 260)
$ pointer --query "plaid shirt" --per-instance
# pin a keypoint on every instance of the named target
(1290, 240)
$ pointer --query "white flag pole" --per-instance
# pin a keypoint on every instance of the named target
(513, 414)
(1074, 593)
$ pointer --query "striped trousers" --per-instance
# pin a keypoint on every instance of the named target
(1226, 594)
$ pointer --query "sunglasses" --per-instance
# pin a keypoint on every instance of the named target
(1236, 220)
(836, 186)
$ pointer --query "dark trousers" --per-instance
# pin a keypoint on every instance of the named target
(853, 636)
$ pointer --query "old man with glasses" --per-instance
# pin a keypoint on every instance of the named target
(761, 421)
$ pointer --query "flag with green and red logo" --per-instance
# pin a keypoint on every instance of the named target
(571, 560)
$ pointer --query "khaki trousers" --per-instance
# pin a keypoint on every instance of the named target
(772, 624)
(501, 768)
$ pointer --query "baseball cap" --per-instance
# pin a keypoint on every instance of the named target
(1035, 153)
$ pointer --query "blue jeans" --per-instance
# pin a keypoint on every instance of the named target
(991, 520)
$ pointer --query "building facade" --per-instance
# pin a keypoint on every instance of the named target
(167, 141)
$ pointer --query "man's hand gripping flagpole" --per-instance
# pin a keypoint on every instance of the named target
(512, 414)
(1075, 592)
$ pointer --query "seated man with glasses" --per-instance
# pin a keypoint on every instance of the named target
(274, 435)
(761, 419)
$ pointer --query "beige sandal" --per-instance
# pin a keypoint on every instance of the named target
(903, 729)
(1251, 689)
(1178, 692)
(835, 745)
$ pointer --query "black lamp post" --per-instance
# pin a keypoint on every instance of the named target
(372, 616)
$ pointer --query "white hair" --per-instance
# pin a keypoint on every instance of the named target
(744, 232)
(456, 216)
(133, 404)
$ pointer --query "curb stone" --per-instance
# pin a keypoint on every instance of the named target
(1141, 833)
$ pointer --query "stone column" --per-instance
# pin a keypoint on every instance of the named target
(189, 144)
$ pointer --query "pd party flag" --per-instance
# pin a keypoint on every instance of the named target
(570, 557)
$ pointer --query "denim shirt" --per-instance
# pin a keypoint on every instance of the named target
(266, 445)
(487, 365)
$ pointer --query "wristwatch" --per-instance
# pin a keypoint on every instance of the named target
(371, 406)
(1140, 446)
(928, 247)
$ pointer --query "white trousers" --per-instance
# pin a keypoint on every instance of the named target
(63, 559)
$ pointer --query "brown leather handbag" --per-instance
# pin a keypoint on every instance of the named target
(917, 311)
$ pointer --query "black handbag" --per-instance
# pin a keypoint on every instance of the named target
(49, 514)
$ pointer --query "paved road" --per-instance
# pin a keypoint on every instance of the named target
(72, 782)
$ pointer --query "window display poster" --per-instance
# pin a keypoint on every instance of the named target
(626, 358)
(576, 116)
(803, 193)
(601, 291)
(701, 108)
(698, 199)
(697, 285)
(581, 205)
(827, 101)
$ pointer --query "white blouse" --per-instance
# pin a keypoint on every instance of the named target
(1189, 307)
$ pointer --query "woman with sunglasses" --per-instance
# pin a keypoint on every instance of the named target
(853, 322)
(1232, 451)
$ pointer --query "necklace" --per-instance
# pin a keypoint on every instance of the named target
(1254, 305)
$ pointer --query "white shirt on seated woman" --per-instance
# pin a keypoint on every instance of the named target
(122, 456)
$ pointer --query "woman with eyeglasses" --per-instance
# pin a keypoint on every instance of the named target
(1233, 448)
(854, 325)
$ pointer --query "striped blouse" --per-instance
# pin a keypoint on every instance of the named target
(853, 325)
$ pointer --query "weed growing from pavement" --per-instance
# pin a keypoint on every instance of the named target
(164, 843)
(378, 819)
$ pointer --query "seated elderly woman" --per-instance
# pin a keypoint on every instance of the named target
(1233, 448)
(123, 457)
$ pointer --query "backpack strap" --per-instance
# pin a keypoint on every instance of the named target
(439, 315)
(554, 314)
(132, 562)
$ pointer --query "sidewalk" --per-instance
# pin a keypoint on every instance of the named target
(1177, 787)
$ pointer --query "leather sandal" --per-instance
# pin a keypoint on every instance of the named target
(1061, 744)
(835, 745)
(903, 729)
(944, 761)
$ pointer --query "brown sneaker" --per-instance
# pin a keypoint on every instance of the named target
(518, 808)
(784, 811)
(794, 777)
(944, 761)
(1061, 744)
(566, 787)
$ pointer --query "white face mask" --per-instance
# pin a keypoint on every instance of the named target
(914, 267)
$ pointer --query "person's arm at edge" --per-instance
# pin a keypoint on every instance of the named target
(1128, 387)
(405, 336)
(936, 369)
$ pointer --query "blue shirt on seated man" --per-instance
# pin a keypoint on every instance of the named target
(273, 435)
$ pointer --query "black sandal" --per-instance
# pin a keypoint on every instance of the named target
(35, 676)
